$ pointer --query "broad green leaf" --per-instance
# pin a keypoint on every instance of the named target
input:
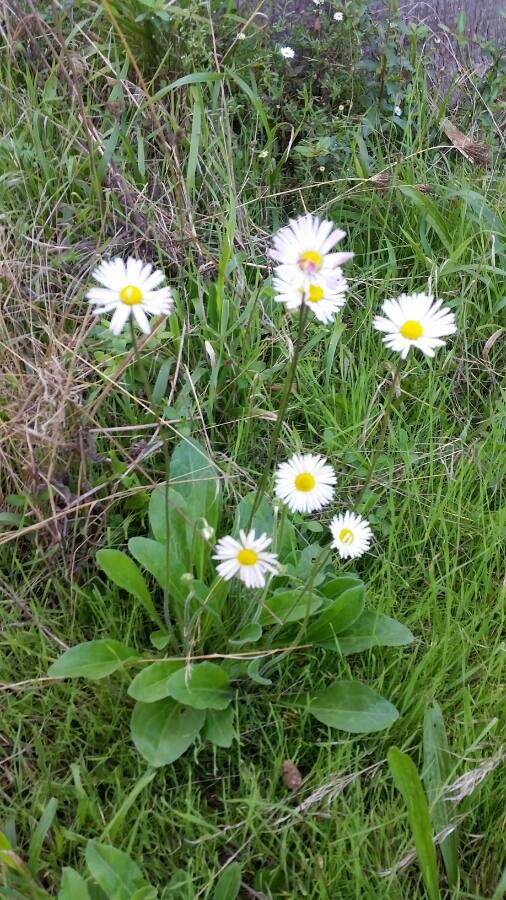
(229, 883)
(352, 706)
(437, 772)
(154, 557)
(288, 606)
(117, 874)
(93, 659)
(337, 586)
(249, 634)
(203, 686)
(179, 520)
(124, 572)
(371, 629)
(220, 726)
(152, 683)
(195, 477)
(160, 639)
(338, 616)
(164, 730)
(408, 782)
(263, 520)
(73, 886)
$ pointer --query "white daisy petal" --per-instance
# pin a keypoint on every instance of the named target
(324, 296)
(351, 535)
(303, 248)
(305, 482)
(129, 289)
(415, 320)
(245, 558)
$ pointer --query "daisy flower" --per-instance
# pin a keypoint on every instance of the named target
(129, 290)
(305, 483)
(415, 320)
(338, 17)
(397, 111)
(245, 558)
(287, 52)
(325, 297)
(352, 535)
(303, 246)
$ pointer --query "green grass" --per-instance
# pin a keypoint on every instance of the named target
(75, 424)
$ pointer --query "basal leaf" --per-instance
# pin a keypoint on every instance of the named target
(352, 706)
(288, 606)
(164, 730)
(124, 572)
(114, 871)
(154, 557)
(203, 686)
(152, 683)
(93, 659)
(337, 616)
(220, 726)
(371, 629)
(229, 883)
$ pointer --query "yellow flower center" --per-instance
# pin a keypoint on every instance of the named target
(412, 329)
(310, 261)
(346, 536)
(305, 482)
(247, 557)
(315, 293)
(130, 294)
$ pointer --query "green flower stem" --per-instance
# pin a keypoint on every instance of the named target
(396, 377)
(281, 414)
(149, 396)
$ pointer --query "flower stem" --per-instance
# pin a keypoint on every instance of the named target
(396, 376)
(285, 396)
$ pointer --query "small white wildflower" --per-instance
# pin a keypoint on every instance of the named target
(415, 320)
(246, 558)
(318, 2)
(129, 290)
(305, 482)
(338, 17)
(287, 52)
(340, 107)
(263, 154)
(397, 111)
(303, 247)
(352, 535)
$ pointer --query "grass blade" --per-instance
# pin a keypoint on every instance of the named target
(436, 775)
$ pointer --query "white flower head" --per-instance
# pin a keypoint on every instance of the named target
(304, 246)
(338, 17)
(318, 2)
(263, 154)
(245, 558)
(397, 111)
(351, 535)
(129, 289)
(324, 296)
(415, 320)
(287, 52)
(241, 36)
(305, 483)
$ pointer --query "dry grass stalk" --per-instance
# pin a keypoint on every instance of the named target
(476, 153)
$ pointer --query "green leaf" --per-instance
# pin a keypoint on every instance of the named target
(118, 876)
(437, 771)
(220, 726)
(253, 671)
(337, 586)
(196, 479)
(249, 634)
(371, 629)
(164, 730)
(178, 517)
(408, 782)
(288, 606)
(73, 886)
(229, 884)
(154, 557)
(152, 683)
(93, 659)
(351, 706)
(338, 616)
(40, 833)
(263, 520)
(203, 686)
(123, 571)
